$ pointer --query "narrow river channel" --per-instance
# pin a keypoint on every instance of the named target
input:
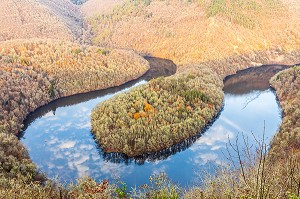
(60, 143)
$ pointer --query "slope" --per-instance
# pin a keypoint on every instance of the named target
(200, 31)
(39, 19)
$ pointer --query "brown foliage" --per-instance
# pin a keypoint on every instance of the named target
(35, 72)
(31, 19)
(287, 140)
(165, 112)
(183, 31)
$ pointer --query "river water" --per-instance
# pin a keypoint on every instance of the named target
(60, 143)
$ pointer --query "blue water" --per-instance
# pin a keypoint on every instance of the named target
(61, 145)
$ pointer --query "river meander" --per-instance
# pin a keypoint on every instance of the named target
(60, 143)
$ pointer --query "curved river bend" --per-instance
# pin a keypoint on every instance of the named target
(59, 140)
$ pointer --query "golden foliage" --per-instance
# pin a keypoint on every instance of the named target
(38, 71)
(165, 112)
(35, 72)
(192, 32)
(136, 116)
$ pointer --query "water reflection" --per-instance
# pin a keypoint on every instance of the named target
(158, 68)
(61, 144)
(251, 79)
(155, 156)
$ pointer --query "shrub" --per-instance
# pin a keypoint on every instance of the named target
(160, 187)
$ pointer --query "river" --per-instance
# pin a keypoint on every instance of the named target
(60, 143)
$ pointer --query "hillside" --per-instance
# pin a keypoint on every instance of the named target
(36, 72)
(69, 15)
(192, 32)
(39, 19)
(57, 69)
(47, 52)
(287, 85)
(96, 7)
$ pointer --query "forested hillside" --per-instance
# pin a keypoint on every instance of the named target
(54, 19)
(198, 31)
(51, 49)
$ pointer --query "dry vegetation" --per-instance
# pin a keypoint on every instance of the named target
(19, 20)
(189, 32)
(273, 174)
(262, 32)
(70, 16)
(96, 7)
(260, 178)
(253, 33)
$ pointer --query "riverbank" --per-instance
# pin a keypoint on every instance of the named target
(28, 167)
(30, 79)
(159, 114)
(287, 140)
(221, 69)
(235, 37)
(35, 72)
(267, 174)
(67, 132)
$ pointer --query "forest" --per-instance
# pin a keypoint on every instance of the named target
(54, 49)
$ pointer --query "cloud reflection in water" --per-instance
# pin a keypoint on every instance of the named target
(60, 142)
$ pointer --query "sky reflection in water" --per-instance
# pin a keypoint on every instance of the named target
(62, 145)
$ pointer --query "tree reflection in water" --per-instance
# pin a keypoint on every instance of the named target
(160, 155)
(243, 82)
(62, 144)
(158, 68)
